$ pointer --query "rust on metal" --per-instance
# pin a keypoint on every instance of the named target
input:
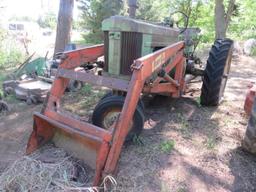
(106, 144)
(250, 99)
(42, 133)
(148, 65)
(167, 88)
(79, 125)
(113, 83)
(77, 57)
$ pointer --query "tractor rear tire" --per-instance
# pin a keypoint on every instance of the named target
(249, 142)
(216, 72)
(112, 105)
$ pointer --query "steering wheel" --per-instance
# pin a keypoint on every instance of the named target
(179, 17)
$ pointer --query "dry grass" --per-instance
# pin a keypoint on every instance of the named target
(83, 102)
(49, 169)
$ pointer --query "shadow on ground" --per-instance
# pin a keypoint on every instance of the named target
(146, 166)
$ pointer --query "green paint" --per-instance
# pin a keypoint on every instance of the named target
(152, 36)
(114, 53)
(37, 66)
(146, 45)
(121, 23)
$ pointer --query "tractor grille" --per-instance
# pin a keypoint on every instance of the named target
(131, 44)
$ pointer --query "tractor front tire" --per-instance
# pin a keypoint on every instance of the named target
(108, 110)
(216, 72)
(110, 93)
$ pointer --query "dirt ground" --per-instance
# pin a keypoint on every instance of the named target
(184, 147)
(14, 132)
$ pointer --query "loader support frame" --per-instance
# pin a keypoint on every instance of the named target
(150, 75)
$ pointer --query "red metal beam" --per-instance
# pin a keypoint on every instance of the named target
(143, 68)
(79, 125)
(155, 61)
(110, 82)
(107, 155)
(75, 58)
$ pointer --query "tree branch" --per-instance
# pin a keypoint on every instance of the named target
(231, 7)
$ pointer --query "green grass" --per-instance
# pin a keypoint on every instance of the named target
(11, 59)
(2, 79)
(198, 101)
(83, 101)
(254, 51)
(87, 89)
(167, 146)
(184, 126)
(211, 143)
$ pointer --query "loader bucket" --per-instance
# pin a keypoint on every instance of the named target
(92, 148)
(82, 140)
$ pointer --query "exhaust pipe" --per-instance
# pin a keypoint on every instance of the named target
(132, 8)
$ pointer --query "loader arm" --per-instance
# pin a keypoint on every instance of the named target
(106, 145)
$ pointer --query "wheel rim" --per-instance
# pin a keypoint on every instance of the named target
(110, 117)
(77, 85)
(225, 75)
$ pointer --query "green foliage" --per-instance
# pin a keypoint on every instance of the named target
(167, 146)
(192, 8)
(244, 26)
(93, 13)
(47, 21)
(211, 143)
(254, 51)
(3, 35)
(2, 79)
(152, 10)
(21, 18)
(11, 56)
(10, 59)
(198, 101)
(87, 89)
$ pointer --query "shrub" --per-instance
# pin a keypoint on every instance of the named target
(254, 51)
(10, 59)
(10, 51)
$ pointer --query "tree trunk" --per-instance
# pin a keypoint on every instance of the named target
(222, 18)
(64, 25)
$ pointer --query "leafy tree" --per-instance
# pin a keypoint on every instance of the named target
(153, 10)
(47, 21)
(223, 17)
(192, 8)
(93, 13)
(243, 26)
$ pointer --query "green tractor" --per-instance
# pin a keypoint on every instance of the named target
(140, 58)
(127, 39)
